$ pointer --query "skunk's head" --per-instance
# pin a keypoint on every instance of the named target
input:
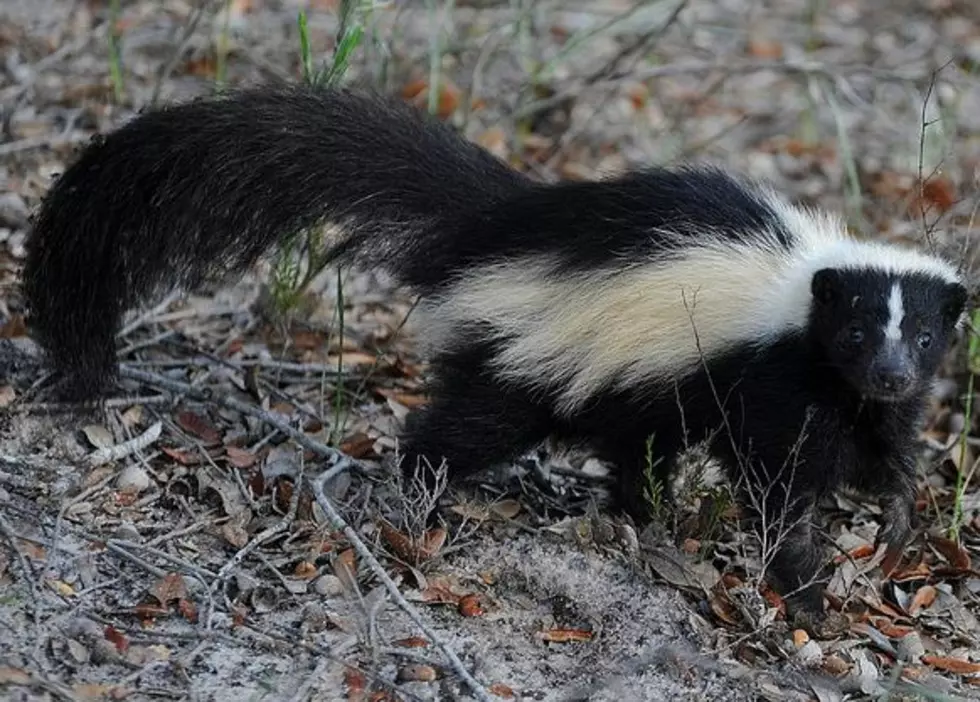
(884, 332)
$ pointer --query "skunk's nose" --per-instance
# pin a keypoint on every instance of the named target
(893, 381)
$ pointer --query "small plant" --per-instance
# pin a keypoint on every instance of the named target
(964, 474)
(300, 257)
(653, 486)
(115, 52)
(221, 53)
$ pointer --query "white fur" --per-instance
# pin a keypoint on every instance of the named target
(896, 313)
(585, 332)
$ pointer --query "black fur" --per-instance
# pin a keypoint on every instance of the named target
(184, 194)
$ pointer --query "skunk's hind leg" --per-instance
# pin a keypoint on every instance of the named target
(473, 421)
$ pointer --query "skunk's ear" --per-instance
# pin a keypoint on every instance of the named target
(824, 285)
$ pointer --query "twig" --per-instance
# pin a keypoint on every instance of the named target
(119, 451)
(457, 665)
(204, 394)
(167, 68)
(265, 534)
(111, 403)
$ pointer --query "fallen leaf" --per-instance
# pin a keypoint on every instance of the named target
(723, 609)
(470, 606)
(407, 399)
(800, 637)
(417, 672)
(61, 587)
(14, 676)
(169, 588)
(188, 610)
(508, 509)
(345, 568)
(417, 92)
(239, 457)
(412, 642)
(566, 635)
(952, 665)
(13, 327)
(355, 681)
(116, 638)
(765, 49)
(305, 570)
(922, 599)
(639, 95)
(410, 550)
(501, 690)
(953, 552)
(857, 553)
(200, 427)
(7, 395)
(358, 446)
(835, 665)
(184, 458)
(98, 436)
(691, 546)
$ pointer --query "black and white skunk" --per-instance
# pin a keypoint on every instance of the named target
(676, 305)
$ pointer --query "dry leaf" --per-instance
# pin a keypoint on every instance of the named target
(184, 458)
(14, 676)
(566, 635)
(61, 587)
(800, 637)
(13, 327)
(305, 570)
(234, 534)
(407, 548)
(508, 509)
(495, 141)
(639, 95)
(412, 642)
(345, 568)
(356, 683)
(470, 606)
(358, 446)
(7, 395)
(953, 552)
(240, 458)
(188, 610)
(417, 672)
(765, 48)
(952, 665)
(169, 588)
(857, 553)
(410, 400)
(501, 690)
(200, 427)
(922, 599)
(98, 436)
(116, 638)
(417, 92)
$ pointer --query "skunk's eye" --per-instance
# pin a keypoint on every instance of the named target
(924, 339)
(855, 335)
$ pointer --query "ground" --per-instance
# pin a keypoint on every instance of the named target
(159, 548)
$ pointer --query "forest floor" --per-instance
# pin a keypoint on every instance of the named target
(172, 547)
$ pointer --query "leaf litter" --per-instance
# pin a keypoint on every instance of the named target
(542, 595)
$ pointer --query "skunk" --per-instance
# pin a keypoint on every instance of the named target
(646, 312)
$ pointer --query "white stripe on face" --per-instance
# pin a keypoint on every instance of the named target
(896, 313)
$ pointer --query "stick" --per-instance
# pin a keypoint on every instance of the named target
(175, 386)
(137, 443)
(457, 665)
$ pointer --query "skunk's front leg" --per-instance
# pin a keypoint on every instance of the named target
(897, 492)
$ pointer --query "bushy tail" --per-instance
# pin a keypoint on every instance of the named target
(196, 191)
